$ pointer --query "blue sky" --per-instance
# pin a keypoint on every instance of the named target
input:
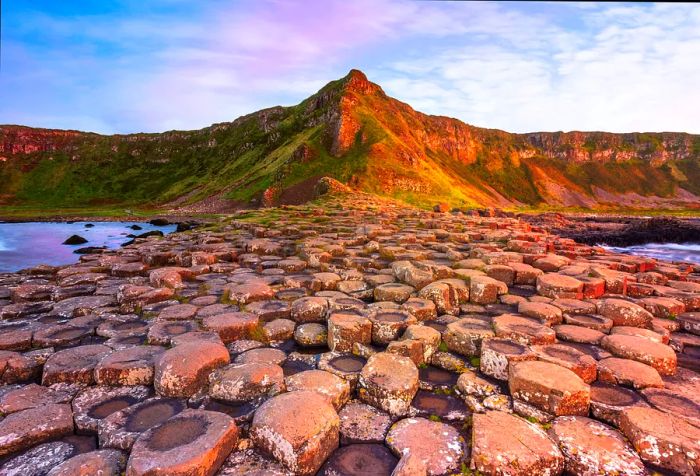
(127, 66)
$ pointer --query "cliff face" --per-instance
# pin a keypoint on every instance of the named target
(351, 130)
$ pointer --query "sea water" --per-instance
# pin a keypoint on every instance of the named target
(24, 245)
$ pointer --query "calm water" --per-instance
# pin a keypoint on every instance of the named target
(667, 251)
(23, 245)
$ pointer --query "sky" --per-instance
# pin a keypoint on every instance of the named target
(125, 66)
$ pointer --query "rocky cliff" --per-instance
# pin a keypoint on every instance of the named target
(350, 130)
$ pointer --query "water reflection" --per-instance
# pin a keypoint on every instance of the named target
(23, 245)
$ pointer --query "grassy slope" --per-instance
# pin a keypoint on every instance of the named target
(391, 156)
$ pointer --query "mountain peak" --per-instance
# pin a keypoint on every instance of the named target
(357, 81)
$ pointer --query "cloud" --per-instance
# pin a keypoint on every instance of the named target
(174, 64)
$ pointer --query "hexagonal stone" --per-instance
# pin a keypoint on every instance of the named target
(657, 355)
(360, 460)
(39, 460)
(300, 429)
(100, 462)
(579, 363)
(232, 326)
(625, 313)
(546, 313)
(465, 335)
(248, 292)
(346, 329)
(346, 366)
(662, 439)
(469, 383)
(251, 462)
(630, 373)
(333, 388)
(423, 309)
(278, 330)
(162, 332)
(394, 292)
(522, 329)
(264, 355)
(388, 325)
(429, 337)
(608, 401)
(30, 396)
(485, 290)
(96, 403)
(497, 355)
(589, 321)
(15, 367)
(506, 444)
(549, 387)
(672, 402)
(74, 365)
(389, 381)
(309, 309)
(191, 442)
(27, 428)
(577, 334)
(443, 295)
(690, 322)
(555, 286)
(122, 428)
(429, 404)
(183, 370)
(178, 312)
(438, 445)
(311, 334)
(130, 366)
(245, 382)
(590, 447)
(362, 423)
(60, 335)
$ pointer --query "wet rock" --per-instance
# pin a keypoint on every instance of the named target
(122, 428)
(438, 445)
(26, 428)
(549, 387)
(662, 439)
(590, 447)
(300, 429)
(183, 370)
(246, 382)
(101, 462)
(506, 444)
(191, 442)
(75, 240)
(343, 365)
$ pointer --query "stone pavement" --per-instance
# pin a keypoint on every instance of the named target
(351, 336)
